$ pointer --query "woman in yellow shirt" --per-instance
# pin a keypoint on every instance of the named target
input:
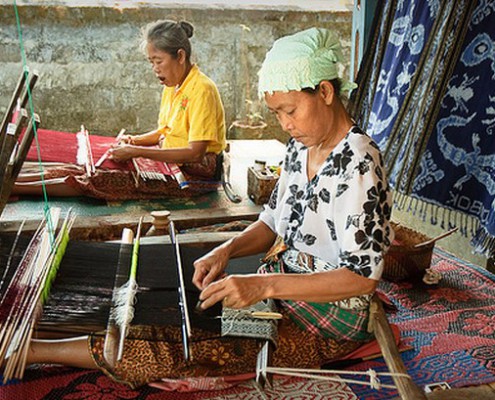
(191, 120)
(191, 129)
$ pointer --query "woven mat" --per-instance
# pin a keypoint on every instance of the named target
(451, 327)
(57, 383)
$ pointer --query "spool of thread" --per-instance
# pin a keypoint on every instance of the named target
(160, 223)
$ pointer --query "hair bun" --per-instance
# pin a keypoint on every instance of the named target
(188, 28)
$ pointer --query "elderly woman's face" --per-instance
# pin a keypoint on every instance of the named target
(168, 69)
(304, 116)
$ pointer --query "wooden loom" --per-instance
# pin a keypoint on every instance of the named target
(13, 153)
(91, 153)
(150, 306)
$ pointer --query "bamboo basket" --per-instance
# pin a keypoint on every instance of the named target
(404, 261)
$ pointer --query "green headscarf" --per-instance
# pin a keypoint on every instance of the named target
(302, 60)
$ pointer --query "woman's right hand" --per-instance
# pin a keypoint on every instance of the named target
(123, 152)
(210, 267)
(127, 139)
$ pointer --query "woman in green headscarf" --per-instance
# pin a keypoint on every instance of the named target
(325, 230)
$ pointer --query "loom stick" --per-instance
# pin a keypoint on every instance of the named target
(90, 153)
(90, 165)
(35, 279)
(12, 105)
(110, 348)
(31, 81)
(11, 255)
(9, 171)
(107, 153)
(125, 295)
(27, 139)
(407, 389)
(11, 135)
(433, 240)
(185, 321)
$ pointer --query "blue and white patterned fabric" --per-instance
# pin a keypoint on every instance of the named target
(457, 169)
(428, 100)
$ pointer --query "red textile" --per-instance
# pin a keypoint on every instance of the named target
(58, 146)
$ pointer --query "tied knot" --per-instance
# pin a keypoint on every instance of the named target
(374, 380)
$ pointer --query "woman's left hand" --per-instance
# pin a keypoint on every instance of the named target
(235, 291)
(123, 152)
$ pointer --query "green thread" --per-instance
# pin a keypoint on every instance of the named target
(46, 206)
(57, 259)
(135, 257)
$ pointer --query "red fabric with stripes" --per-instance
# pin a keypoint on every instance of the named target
(56, 146)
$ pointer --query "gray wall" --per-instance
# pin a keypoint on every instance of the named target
(93, 73)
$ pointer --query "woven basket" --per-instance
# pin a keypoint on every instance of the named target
(404, 261)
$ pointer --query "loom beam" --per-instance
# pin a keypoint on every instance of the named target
(10, 164)
(11, 160)
(407, 389)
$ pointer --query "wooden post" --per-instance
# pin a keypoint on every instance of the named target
(407, 389)
(7, 118)
(8, 145)
(33, 78)
(13, 164)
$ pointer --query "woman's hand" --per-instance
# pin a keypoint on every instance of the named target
(123, 152)
(210, 267)
(236, 291)
(126, 139)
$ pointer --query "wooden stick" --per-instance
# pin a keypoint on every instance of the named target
(27, 139)
(11, 170)
(7, 118)
(110, 347)
(129, 294)
(185, 321)
(441, 236)
(407, 389)
(8, 146)
(33, 77)
(106, 154)
(90, 153)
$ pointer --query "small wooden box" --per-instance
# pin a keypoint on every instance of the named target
(260, 184)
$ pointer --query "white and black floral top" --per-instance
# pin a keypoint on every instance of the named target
(340, 216)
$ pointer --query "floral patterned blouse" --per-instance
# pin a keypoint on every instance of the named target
(341, 215)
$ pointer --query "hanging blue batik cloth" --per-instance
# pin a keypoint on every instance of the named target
(426, 95)
(457, 169)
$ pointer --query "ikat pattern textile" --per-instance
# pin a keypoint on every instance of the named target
(426, 97)
(449, 326)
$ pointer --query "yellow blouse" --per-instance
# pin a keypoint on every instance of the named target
(194, 112)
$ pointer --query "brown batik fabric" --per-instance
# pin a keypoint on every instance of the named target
(150, 360)
(115, 185)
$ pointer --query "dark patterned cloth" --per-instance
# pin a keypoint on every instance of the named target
(146, 361)
(426, 97)
(116, 185)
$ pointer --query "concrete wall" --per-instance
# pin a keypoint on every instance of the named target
(93, 73)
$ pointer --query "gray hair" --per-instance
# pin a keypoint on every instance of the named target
(169, 36)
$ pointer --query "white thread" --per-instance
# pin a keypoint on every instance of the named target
(374, 381)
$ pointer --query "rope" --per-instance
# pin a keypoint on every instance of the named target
(46, 206)
(374, 380)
